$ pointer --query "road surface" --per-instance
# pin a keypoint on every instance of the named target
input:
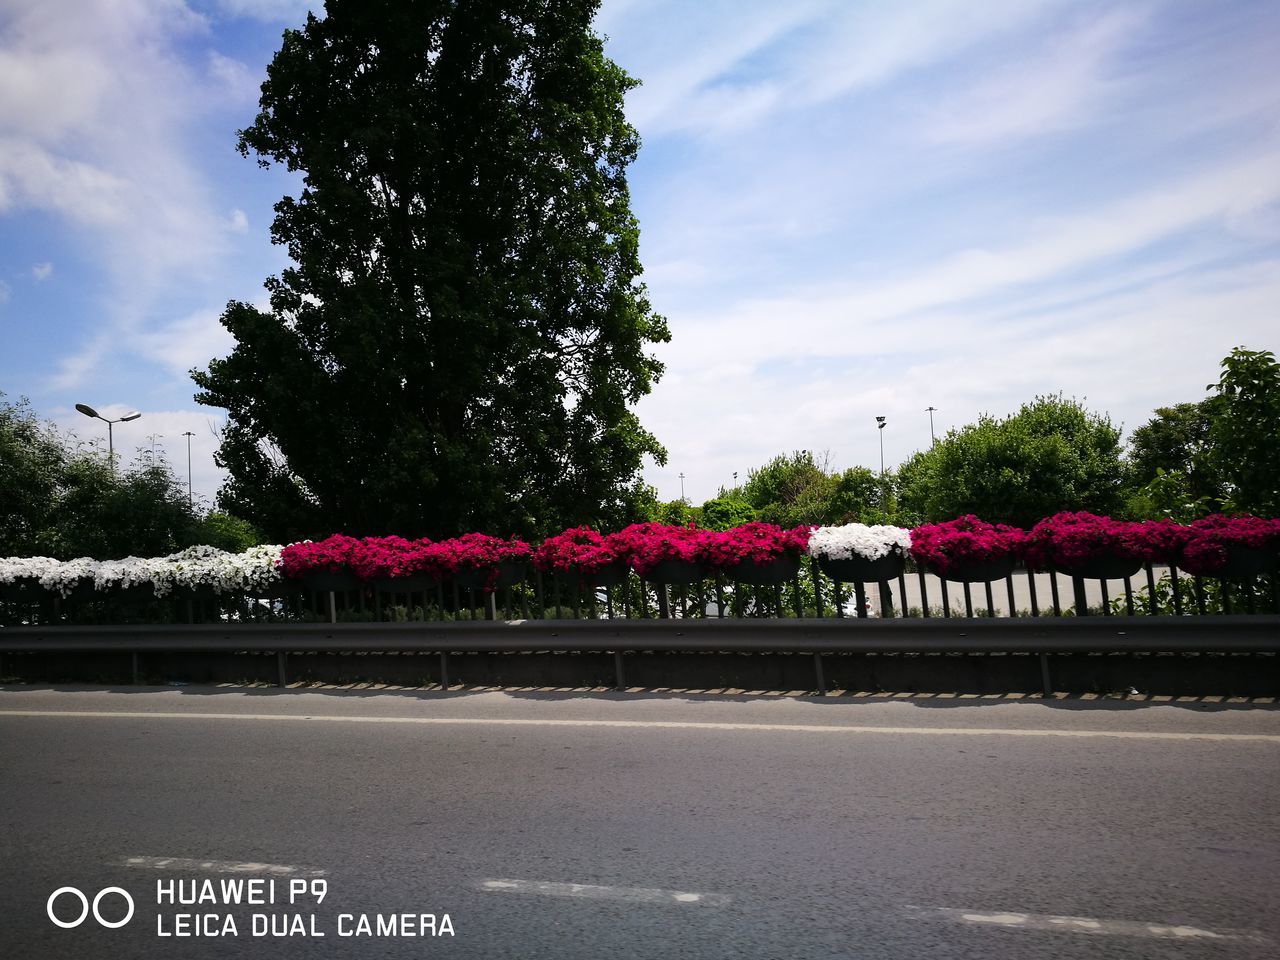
(566, 826)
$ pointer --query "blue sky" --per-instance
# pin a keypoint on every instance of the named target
(848, 209)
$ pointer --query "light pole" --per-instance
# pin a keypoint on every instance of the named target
(189, 435)
(682, 488)
(88, 411)
(932, 438)
(880, 428)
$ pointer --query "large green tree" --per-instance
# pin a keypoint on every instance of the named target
(461, 333)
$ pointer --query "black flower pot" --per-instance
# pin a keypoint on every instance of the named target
(509, 573)
(323, 581)
(607, 576)
(137, 593)
(276, 590)
(83, 591)
(22, 590)
(1245, 563)
(778, 570)
(414, 583)
(983, 572)
(862, 570)
(199, 593)
(673, 573)
(1102, 568)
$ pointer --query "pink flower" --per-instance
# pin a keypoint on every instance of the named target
(580, 550)
(965, 541)
(1208, 540)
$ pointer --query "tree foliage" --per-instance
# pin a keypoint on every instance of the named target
(1245, 431)
(62, 499)
(461, 333)
(1051, 455)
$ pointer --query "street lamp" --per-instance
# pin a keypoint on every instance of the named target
(88, 411)
(930, 411)
(189, 435)
(682, 488)
(880, 428)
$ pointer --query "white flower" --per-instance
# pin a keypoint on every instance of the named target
(201, 566)
(858, 539)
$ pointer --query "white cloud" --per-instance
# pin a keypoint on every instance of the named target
(190, 341)
(238, 81)
(834, 316)
(96, 128)
(799, 55)
(1065, 83)
(238, 222)
(42, 271)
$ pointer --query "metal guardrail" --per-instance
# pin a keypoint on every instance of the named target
(814, 637)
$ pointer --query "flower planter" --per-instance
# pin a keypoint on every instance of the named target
(861, 570)
(279, 590)
(323, 581)
(1102, 568)
(22, 590)
(82, 591)
(778, 570)
(509, 573)
(1245, 563)
(607, 576)
(417, 583)
(673, 573)
(979, 572)
(137, 593)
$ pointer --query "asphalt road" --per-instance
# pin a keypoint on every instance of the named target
(567, 826)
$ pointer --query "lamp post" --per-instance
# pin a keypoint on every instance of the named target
(682, 488)
(880, 428)
(189, 435)
(88, 411)
(932, 438)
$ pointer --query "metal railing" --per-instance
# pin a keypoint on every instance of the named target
(809, 594)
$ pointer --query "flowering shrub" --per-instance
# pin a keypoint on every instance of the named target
(754, 542)
(964, 541)
(1067, 540)
(475, 551)
(581, 550)
(1205, 543)
(645, 545)
(330, 555)
(859, 540)
(388, 557)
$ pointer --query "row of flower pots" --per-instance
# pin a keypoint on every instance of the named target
(966, 549)
(963, 550)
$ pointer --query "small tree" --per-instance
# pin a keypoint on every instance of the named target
(1245, 431)
(1051, 455)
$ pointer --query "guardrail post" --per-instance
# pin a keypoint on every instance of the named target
(817, 674)
(333, 608)
(280, 668)
(619, 676)
(444, 670)
(1046, 684)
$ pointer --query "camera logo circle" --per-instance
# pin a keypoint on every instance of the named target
(85, 908)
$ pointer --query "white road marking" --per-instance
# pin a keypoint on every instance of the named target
(220, 866)
(654, 725)
(1009, 920)
(590, 891)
